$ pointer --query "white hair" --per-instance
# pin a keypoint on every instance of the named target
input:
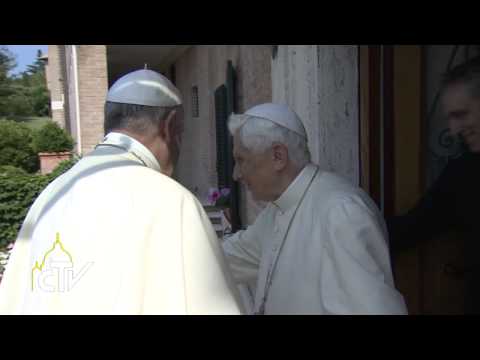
(258, 134)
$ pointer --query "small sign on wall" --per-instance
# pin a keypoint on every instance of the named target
(57, 105)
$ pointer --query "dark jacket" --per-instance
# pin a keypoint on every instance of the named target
(453, 202)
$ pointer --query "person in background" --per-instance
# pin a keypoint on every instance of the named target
(452, 201)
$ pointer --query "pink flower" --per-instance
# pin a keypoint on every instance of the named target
(213, 196)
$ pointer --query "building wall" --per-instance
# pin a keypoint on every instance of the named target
(205, 66)
(56, 82)
(71, 96)
(196, 166)
(254, 88)
(320, 82)
(92, 87)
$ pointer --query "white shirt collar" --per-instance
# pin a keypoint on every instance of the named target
(295, 190)
(133, 146)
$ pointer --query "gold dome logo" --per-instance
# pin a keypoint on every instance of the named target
(56, 271)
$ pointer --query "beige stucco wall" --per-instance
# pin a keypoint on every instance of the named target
(56, 81)
(196, 168)
(320, 82)
(205, 66)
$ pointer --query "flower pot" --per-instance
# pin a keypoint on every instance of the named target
(49, 161)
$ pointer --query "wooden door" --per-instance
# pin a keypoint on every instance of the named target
(390, 93)
(393, 142)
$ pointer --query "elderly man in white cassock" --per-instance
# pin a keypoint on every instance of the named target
(115, 234)
(320, 244)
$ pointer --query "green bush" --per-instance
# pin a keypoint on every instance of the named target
(9, 170)
(52, 138)
(16, 146)
(17, 193)
(19, 104)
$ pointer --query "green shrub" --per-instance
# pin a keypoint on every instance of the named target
(52, 138)
(16, 146)
(19, 104)
(9, 170)
(17, 193)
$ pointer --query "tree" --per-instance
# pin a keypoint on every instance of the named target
(7, 63)
(37, 66)
(25, 94)
(34, 78)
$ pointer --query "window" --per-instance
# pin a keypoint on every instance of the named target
(195, 105)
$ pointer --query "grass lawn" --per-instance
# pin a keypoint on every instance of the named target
(33, 122)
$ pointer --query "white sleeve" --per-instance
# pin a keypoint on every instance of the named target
(356, 274)
(209, 286)
(243, 252)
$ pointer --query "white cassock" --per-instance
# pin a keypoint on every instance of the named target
(334, 259)
(115, 236)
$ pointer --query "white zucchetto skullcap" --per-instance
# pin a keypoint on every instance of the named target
(144, 87)
(281, 115)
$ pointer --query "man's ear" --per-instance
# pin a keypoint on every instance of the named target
(280, 156)
(167, 127)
